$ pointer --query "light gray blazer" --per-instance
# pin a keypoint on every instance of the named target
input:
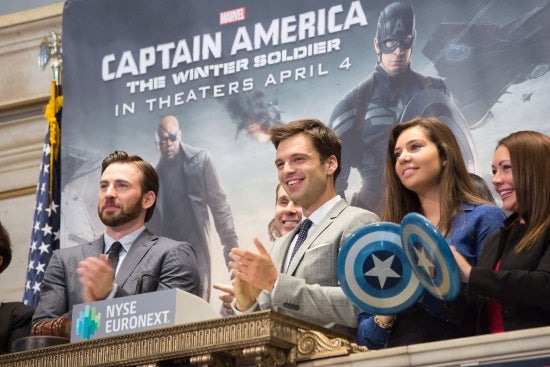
(173, 263)
(309, 290)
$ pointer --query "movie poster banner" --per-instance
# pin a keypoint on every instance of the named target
(220, 74)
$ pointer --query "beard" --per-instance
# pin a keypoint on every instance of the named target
(126, 215)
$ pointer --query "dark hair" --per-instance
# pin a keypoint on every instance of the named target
(277, 193)
(5, 248)
(456, 186)
(149, 181)
(481, 187)
(529, 156)
(324, 140)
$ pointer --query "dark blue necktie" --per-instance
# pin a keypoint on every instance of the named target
(304, 227)
(114, 251)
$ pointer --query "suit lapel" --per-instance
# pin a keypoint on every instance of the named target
(94, 249)
(281, 248)
(315, 233)
(139, 248)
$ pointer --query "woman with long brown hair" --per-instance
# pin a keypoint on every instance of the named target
(512, 275)
(425, 173)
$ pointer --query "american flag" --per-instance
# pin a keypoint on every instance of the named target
(45, 231)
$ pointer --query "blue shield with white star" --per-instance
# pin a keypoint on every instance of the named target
(430, 257)
(374, 272)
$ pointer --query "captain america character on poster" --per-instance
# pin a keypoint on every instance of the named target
(393, 93)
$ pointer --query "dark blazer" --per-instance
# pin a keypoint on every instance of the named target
(15, 323)
(174, 263)
(521, 286)
(206, 195)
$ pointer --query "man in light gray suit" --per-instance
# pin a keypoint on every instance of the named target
(145, 262)
(301, 280)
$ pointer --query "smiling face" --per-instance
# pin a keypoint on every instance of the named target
(308, 181)
(503, 178)
(287, 213)
(121, 202)
(418, 164)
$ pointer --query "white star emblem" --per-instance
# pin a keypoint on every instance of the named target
(28, 285)
(53, 208)
(44, 248)
(36, 287)
(424, 262)
(31, 265)
(33, 246)
(382, 270)
(40, 268)
(47, 229)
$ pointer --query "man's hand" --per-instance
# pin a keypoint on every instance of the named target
(255, 269)
(96, 277)
(227, 297)
(245, 293)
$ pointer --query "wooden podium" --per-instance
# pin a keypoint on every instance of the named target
(262, 338)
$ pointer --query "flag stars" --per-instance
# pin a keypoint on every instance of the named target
(44, 248)
(53, 207)
(45, 233)
(46, 149)
(40, 268)
(47, 229)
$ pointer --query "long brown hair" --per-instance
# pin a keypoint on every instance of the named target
(530, 160)
(456, 186)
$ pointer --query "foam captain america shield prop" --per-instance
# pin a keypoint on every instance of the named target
(430, 257)
(374, 272)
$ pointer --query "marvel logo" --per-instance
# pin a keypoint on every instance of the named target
(232, 16)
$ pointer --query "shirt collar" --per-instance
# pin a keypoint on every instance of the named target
(320, 213)
(125, 241)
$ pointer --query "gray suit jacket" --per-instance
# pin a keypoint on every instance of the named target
(309, 290)
(173, 263)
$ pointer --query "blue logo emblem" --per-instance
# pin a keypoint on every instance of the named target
(385, 267)
(88, 322)
(430, 257)
(374, 271)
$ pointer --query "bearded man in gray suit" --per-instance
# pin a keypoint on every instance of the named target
(146, 262)
(302, 282)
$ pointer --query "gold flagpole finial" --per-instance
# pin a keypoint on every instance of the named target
(51, 50)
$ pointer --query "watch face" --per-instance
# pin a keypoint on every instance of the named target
(430, 257)
(44, 54)
(374, 271)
